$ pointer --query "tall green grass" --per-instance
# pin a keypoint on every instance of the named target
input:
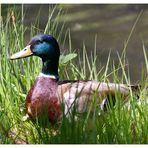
(120, 124)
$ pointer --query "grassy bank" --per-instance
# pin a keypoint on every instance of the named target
(120, 124)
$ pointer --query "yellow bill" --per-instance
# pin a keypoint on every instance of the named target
(22, 54)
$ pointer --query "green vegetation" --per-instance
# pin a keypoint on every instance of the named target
(120, 124)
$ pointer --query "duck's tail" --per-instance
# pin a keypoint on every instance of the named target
(135, 87)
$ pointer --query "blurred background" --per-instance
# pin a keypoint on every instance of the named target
(110, 23)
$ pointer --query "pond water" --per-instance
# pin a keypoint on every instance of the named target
(111, 24)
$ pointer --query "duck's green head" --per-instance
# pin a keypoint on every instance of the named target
(46, 47)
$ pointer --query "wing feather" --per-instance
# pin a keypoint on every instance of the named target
(82, 92)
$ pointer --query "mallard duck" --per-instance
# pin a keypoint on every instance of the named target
(48, 93)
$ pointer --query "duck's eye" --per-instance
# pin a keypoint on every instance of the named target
(39, 42)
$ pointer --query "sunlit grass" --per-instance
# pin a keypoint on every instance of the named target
(120, 124)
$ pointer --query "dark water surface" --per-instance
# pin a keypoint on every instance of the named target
(112, 25)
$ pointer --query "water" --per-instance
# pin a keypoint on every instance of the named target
(110, 23)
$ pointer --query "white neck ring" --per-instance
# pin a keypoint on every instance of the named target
(47, 76)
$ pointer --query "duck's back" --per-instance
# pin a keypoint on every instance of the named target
(81, 93)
